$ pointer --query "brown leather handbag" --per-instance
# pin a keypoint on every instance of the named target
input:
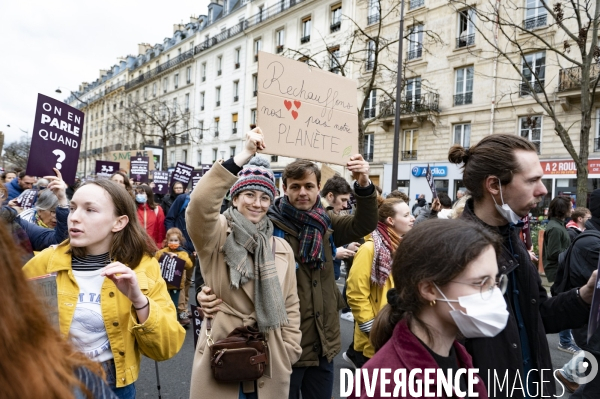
(242, 356)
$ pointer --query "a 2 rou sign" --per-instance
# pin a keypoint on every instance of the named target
(305, 111)
(56, 139)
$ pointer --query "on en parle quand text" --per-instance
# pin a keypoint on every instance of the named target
(434, 382)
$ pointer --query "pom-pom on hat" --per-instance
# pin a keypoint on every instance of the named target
(255, 175)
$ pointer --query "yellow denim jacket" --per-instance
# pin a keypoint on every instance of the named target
(159, 338)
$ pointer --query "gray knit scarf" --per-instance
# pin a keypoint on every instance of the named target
(249, 256)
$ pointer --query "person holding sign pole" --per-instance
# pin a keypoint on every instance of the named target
(113, 302)
(313, 232)
(253, 272)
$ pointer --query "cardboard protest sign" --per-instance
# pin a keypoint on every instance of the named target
(139, 169)
(171, 268)
(326, 174)
(196, 175)
(594, 320)
(47, 294)
(431, 181)
(182, 173)
(306, 112)
(56, 139)
(27, 198)
(124, 158)
(161, 182)
(105, 169)
(196, 322)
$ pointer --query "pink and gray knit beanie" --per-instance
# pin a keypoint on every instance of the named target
(255, 175)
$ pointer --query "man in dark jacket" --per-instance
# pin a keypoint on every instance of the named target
(504, 175)
(594, 222)
(17, 186)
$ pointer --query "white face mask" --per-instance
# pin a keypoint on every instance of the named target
(484, 318)
(505, 210)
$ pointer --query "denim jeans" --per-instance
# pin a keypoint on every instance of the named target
(126, 392)
(314, 382)
(565, 338)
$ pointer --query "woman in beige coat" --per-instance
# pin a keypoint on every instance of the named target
(236, 257)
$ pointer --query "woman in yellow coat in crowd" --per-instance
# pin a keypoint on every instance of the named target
(370, 276)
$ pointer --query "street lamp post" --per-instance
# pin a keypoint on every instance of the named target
(398, 98)
(86, 130)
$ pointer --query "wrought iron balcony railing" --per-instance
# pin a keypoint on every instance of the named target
(415, 4)
(305, 39)
(371, 19)
(525, 90)
(188, 55)
(465, 41)
(570, 78)
(536, 22)
(335, 26)
(414, 54)
(409, 155)
(426, 102)
(463, 99)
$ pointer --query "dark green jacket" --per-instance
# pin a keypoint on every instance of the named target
(556, 240)
(320, 298)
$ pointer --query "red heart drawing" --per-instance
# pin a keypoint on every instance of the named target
(294, 115)
(288, 104)
(297, 104)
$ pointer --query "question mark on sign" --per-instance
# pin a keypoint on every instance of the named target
(160, 186)
(61, 157)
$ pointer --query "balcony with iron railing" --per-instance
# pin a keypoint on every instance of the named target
(570, 78)
(409, 155)
(415, 4)
(525, 89)
(425, 102)
(465, 41)
(536, 22)
(371, 19)
(463, 98)
(188, 55)
(335, 26)
(305, 39)
(415, 53)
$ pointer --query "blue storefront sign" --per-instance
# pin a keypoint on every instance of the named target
(436, 171)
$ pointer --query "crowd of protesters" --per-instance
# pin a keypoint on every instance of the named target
(448, 284)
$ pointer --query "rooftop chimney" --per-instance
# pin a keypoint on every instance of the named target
(142, 47)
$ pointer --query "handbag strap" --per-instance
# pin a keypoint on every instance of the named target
(208, 332)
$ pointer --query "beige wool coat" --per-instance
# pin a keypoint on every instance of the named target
(208, 231)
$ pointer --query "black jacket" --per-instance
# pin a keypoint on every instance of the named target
(583, 262)
(542, 315)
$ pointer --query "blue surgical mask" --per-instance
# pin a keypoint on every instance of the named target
(141, 198)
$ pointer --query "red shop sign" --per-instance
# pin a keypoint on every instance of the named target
(566, 167)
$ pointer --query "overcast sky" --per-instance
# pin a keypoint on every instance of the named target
(48, 44)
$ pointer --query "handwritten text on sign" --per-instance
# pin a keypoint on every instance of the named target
(307, 111)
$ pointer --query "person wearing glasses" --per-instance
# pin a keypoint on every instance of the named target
(447, 285)
(504, 176)
(43, 212)
(370, 276)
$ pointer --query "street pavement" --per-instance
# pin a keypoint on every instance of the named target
(175, 373)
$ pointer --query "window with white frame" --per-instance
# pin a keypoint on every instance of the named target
(172, 158)
(236, 89)
(415, 42)
(462, 135)
(203, 71)
(530, 127)
(280, 40)
(305, 36)
(219, 64)
(145, 92)
(334, 59)
(536, 15)
(534, 72)
(165, 84)
(199, 158)
(184, 156)
(187, 102)
(201, 130)
(371, 105)
(257, 47)
(174, 104)
(368, 148)
(214, 155)
(464, 86)
(236, 56)
(253, 116)
(216, 126)
(466, 28)
(202, 97)
(153, 91)
(218, 96)
(336, 17)
(176, 80)
(234, 123)
(410, 144)
(231, 151)
(370, 55)
(413, 93)
(188, 74)
(255, 85)
(373, 12)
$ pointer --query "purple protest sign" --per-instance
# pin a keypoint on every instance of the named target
(161, 182)
(196, 175)
(139, 169)
(27, 198)
(431, 181)
(105, 169)
(197, 317)
(182, 173)
(171, 268)
(56, 139)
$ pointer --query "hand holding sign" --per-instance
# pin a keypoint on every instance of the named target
(58, 187)
(360, 169)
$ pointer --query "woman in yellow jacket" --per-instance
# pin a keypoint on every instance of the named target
(113, 302)
(369, 278)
